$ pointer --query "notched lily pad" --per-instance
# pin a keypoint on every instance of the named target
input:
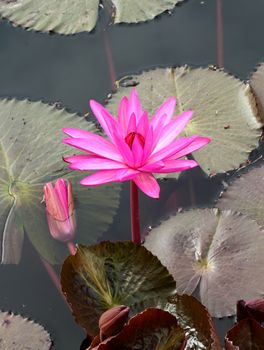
(193, 317)
(81, 15)
(246, 195)
(247, 334)
(108, 274)
(151, 329)
(224, 110)
(18, 333)
(31, 154)
(219, 255)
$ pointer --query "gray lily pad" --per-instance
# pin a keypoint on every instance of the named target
(102, 276)
(246, 195)
(18, 333)
(31, 154)
(224, 110)
(66, 17)
(219, 255)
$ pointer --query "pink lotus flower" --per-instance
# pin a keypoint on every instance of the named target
(137, 146)
(60, 210)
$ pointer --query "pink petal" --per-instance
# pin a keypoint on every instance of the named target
(96, 164)
(134, 105)
(198, 143)
(152, 168)
(132, 124)
(143, 124)
(172, 130)
(148, 145)
(123, 113)
(96, 145)
(77, 133)
(148, 184)
(106, 176)
(105, 119)
(61, 189)
(172, 148)
(174, 166)
(124, 150)
(164, 112)
(77, 158)
(137, 151)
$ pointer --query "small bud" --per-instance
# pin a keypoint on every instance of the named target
(60, 210)
(112, 321)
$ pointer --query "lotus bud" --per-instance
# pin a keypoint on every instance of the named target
(112, 321)
(60, 210)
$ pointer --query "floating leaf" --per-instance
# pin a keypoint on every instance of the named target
(217, 254)
(151, 329)
(18, 333)
(251, 309)
(78, 16)
(257, 84)
(224, 110)
(196, 321)
(109, 274)
(246, 195)
(247, 334)
(30, 155)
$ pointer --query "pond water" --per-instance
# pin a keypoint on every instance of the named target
(74, 69)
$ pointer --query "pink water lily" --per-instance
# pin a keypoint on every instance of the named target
(60, 210)
(136, 146)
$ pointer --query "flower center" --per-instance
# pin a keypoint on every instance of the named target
(132, 136)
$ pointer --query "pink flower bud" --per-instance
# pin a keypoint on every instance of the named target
(112, 321)
(60, 210)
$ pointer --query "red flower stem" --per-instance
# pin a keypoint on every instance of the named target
(71, 247)
(54, 277)
(219, 34)
(134, 209)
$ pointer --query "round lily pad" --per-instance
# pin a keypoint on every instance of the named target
(224, 110)
(80, 15)
(102, 276)
(246, 195)
(31, 154)
(219, 255)
(18, 333)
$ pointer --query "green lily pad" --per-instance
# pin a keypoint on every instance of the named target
(18, 333)
(245, 335)
(63, 17)
(99, 277)
(194, 318)
(246, 195)
(31, 154)
(151, 329)
(219, 255)
(224, 110)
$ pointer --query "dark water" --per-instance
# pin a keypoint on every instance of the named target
(73, 70)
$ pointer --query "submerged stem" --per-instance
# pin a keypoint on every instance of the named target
(219, 34)
(134, 209)
(71, 248)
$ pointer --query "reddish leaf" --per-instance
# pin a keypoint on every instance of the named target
(151, 329)
(245, 335)
(251, 308)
